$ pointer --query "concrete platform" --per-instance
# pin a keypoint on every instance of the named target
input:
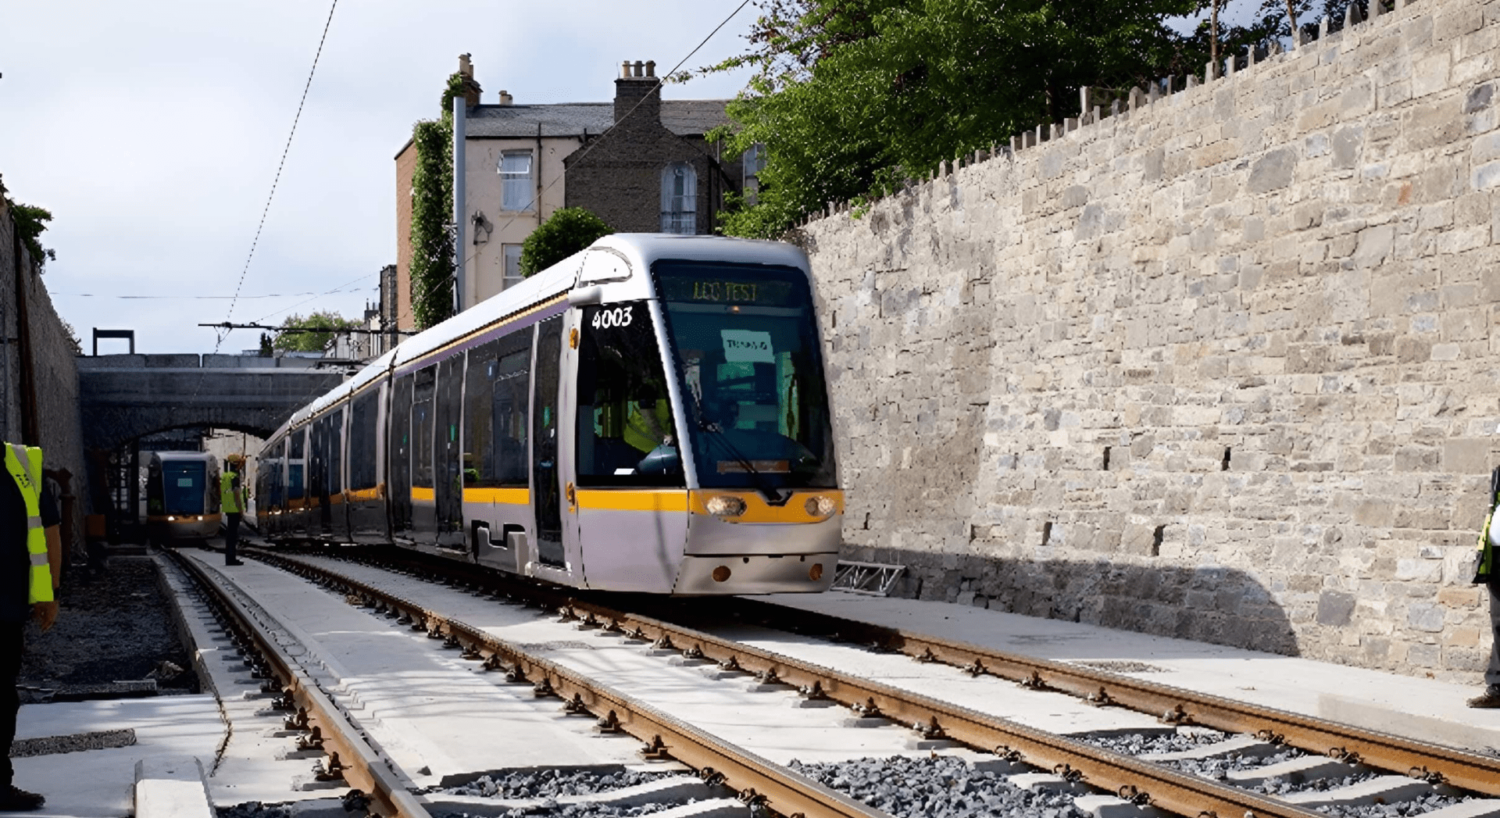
(763, 722)
(100, 783)
(1418, 708)
(434, 714)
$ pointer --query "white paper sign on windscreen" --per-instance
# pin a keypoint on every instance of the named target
(746, 346)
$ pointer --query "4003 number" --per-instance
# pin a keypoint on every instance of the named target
(610, 319)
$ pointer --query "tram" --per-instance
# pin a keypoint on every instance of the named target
(182, 497)
(649, 415)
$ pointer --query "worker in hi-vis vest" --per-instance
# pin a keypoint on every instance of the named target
(1487, 572)
(30, 565)
(232, 503)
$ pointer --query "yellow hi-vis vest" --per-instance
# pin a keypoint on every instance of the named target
(25, 466)
(228, 497)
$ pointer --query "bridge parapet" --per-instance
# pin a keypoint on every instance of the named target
(123, 397)
(194, 361)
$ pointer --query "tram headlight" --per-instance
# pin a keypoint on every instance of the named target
(821, 506)
(725, 506)
(200, 518)
(171, 519)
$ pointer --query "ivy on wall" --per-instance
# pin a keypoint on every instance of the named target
(432, 262)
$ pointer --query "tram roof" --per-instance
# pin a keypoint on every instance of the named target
(640, 249)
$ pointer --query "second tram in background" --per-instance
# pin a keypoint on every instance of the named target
(182, 497)
(648, 415)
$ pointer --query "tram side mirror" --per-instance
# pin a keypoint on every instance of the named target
(585, 296)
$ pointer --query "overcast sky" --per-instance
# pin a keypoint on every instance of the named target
(152, 130)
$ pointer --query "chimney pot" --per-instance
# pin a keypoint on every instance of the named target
(625, 70)
(506, 98)
(465, 67)
(650, 68)
(639, 68)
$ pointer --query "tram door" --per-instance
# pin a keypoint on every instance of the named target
(447, 443)
(546, 493)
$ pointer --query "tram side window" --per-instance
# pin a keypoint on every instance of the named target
(495, 412)
(336, 452)
(362, 433)
(626, 435)
(421, 427)
(296, 477)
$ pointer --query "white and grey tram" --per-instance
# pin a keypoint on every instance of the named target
(182, 496)
(649, 415)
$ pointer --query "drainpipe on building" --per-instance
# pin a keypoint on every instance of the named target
(539, 174)
(460, 249)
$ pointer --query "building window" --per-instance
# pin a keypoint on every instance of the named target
(512, 265)
(516, 186)
(679, 199)
(752, 163)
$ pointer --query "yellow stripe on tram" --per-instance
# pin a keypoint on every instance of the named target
(633, 500)
(498, 496)
(425, 493)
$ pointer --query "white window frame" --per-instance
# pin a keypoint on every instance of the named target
(510, 266)
(517, 188)
(679, 210)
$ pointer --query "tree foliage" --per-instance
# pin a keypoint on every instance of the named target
(432, 262)
(31, 222)
(323, 325)
(852, 97)
(566, 231)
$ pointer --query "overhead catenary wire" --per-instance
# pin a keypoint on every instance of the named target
(265, 211)
(285, 151)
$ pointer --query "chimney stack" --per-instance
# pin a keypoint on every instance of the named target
(637, 89)
(471, 88)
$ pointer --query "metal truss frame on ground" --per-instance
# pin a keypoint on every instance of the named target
(872, 578)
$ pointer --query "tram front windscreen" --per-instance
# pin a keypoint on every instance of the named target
(744, 348)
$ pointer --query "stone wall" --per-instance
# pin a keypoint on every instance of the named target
(1218, 367)
(55, 364)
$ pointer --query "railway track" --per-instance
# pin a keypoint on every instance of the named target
(310, 711)
(1133, 782)
(378, 787)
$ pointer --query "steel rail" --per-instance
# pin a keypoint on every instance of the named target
(1139, 781)
(362, 767)
(758, 780)
(1434, 763)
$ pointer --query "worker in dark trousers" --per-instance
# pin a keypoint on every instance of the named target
(232, 502)
(30, 564)
(1488, 574)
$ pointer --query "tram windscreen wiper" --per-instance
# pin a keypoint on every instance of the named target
(764, 486)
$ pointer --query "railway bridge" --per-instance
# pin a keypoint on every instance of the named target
(123, 397)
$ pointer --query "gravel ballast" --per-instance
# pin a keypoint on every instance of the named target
(116, 627)
(937, 787)
(550, 783)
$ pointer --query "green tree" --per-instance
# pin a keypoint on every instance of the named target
(566, 231)
(31, 222)
(311, 333)
(432, 263)
(852, 97)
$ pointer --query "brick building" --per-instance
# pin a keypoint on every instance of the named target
(639, 162)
